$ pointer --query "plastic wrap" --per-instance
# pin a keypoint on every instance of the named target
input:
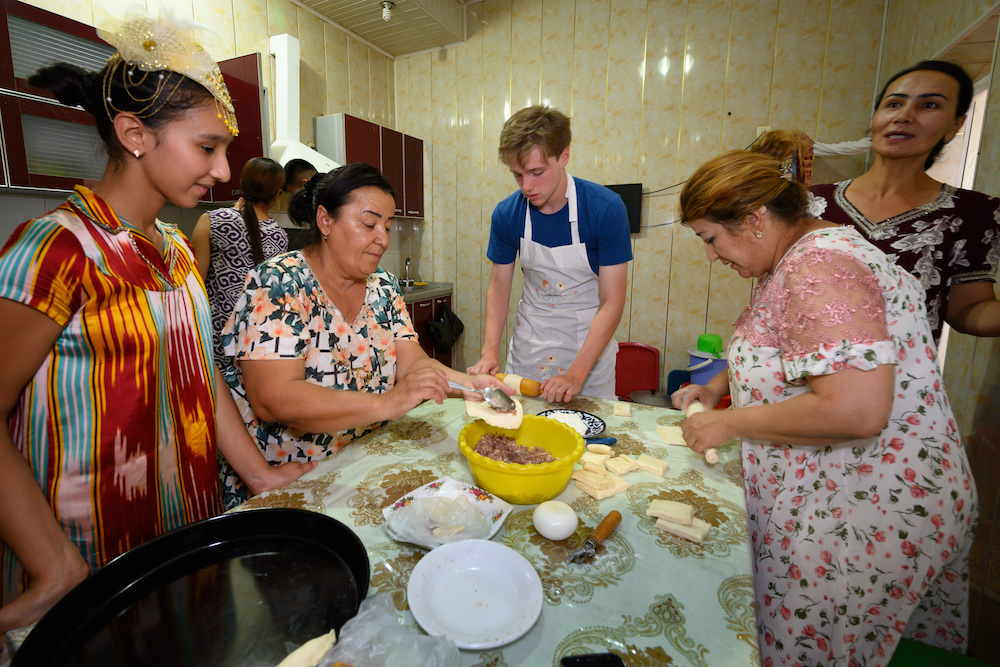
(431, 522)
(375, 638)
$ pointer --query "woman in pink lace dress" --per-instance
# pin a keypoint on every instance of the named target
(860, 503)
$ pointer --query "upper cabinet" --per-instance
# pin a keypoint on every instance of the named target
(52, 146)
(345, 139)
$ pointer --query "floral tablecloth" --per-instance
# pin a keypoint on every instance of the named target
(647, 596)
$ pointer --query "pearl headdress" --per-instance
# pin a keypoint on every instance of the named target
(165, 43)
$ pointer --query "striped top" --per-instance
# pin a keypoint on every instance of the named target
(118, 423)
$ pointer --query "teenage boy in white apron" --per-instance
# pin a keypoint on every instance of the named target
(573, 238)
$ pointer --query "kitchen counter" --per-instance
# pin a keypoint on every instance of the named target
(428, 291)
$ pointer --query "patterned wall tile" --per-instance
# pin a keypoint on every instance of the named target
(525, 41)
(360, 79)
(312, 72)
(590, 81)
(338, 77)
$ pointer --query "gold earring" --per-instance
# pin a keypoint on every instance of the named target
(758, 233)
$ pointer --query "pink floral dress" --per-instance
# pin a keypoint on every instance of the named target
(858, 543)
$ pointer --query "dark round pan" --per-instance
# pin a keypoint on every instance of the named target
(237, 589)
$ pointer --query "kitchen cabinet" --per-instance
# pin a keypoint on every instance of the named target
(51, 146)
(423, 311)
(345, 139)
(413, 176)
(243, 79)
(392, 163)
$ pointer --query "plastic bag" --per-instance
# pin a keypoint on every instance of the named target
(431, 522)
(375, 638)
(445, 329)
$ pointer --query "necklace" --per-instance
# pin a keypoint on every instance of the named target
(171, 257)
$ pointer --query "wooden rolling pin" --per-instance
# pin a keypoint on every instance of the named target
(527, 388)
(712, 454)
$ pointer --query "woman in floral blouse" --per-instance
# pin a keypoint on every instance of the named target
(860, 502)
(320, 346)
(947, 237)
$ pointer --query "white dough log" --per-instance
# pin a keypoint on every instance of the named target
(712, 454)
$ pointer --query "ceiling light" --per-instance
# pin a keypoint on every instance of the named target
(387, 10)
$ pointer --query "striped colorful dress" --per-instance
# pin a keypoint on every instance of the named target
(118, 423)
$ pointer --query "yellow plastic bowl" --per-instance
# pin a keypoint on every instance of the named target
(519, 483)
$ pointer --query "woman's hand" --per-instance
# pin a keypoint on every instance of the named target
(685, 396)
(277, 476)
(59, 576)
(419, 385)
(481, 382)
(705, 430)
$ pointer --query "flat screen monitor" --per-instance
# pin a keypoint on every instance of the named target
(631, 194)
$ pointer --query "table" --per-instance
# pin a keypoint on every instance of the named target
(650, 597)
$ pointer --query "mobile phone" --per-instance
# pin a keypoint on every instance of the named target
(592, 660)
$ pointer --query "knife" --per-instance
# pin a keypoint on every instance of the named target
(601, 441)
(604, 528)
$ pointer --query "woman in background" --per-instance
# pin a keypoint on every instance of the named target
(860, 502)
(322, 350)
(108, 407)
(947, 237)
(228, 242)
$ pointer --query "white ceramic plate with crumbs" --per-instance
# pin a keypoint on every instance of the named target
(494, 509)
(477, 593)
(594, 424)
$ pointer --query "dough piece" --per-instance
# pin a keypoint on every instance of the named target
(619, 466)
(513, 381)
(694, 408)
(623, 409)
(506, 420)
(600, 449)
(599, 482)
(672, 511)
(620, 484)
(447, 532)
(597, 494)
(671, 435)
(592, 457)
(310, 653)
(594, 468)
(649, 464)
(696, 532)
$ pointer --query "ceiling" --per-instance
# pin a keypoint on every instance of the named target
(974, 52)
(415, 25)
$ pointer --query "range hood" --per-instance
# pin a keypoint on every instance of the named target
(287, 146)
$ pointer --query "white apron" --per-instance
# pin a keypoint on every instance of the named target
(558, 303)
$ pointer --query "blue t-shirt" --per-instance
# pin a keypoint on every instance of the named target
(603, 226)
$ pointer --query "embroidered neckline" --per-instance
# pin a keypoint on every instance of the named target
(95, 209)
(860, 220)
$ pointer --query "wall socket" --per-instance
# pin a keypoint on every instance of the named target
(761, 129)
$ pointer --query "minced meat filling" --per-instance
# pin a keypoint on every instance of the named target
(503, 448)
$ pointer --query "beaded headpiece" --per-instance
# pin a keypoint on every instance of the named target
(164, 43)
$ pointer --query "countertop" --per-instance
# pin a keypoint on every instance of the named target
(428, 291)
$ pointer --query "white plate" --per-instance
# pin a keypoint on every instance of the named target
(494, 509)
(595, 425)
(477, 593)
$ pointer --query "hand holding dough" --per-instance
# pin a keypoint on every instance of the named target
(712, 454)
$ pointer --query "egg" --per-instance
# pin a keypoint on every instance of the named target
(554, 520)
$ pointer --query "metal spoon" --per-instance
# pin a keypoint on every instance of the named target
(494, 396)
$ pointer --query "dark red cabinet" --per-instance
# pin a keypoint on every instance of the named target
(242, 77)
(413, 177)
(423, 311)
(392, 163)
(363, 141)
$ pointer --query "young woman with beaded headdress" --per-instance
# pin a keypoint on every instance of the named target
(111, 413)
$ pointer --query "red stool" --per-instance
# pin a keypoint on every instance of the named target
(637, 366)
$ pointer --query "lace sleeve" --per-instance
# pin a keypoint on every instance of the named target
(832, 315)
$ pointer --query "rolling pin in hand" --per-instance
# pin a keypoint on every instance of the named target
(711, 454)
(521, 385)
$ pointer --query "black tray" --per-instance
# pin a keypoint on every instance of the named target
(237, 589)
